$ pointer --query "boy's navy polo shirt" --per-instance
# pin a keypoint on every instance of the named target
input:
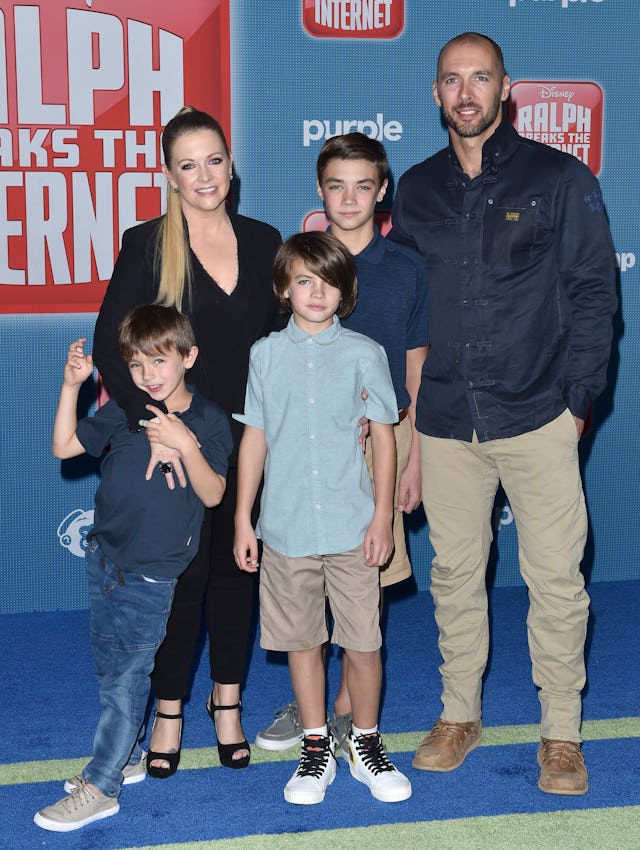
(392, 304)
(143, 526)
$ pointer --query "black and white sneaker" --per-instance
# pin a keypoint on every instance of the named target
(368, 763)
(316, 771)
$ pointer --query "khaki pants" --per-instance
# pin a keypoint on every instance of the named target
(540, 474)
(399, 567)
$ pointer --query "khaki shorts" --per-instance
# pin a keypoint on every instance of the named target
(399, 567)
(292, 601)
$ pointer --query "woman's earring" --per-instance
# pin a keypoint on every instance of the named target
(174, 188)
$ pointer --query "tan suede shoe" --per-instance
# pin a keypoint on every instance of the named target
(562, 768)
(447, 745)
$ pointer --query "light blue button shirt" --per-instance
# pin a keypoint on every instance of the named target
(304, 393)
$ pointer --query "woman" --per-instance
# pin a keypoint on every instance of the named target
(215, 266)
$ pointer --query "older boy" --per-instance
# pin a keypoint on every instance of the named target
(144, 536)
(322, 530)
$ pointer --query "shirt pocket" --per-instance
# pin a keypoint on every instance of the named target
(509, 233)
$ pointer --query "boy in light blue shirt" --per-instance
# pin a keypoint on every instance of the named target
(322, 529)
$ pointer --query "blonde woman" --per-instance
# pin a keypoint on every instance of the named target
(215, 266)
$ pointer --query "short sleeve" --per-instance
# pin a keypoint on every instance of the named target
(380, 405)
(217, 444)
(253, 402)
(95, 432)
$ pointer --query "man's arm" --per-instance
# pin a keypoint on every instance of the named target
(586, 263)
(410, 483)
(378, 540)
(251, 459)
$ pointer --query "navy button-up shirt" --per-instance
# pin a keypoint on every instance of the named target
(521, 274)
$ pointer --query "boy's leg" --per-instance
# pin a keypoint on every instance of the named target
(364, 682)
(128, 615)
(398, 569)
(128, 621)
(292, 619)
(354, 596)
(306, 668)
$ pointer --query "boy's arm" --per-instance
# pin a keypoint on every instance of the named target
(79, 366)
(251, 459)
(378, 540)
(170, 430)
(410, 483)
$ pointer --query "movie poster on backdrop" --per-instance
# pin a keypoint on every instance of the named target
(566, 115)
(85, 89)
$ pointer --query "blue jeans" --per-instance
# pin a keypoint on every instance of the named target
(128, 616)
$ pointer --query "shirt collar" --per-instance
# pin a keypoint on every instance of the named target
(326, 337)
(497, 148)
(374, 251)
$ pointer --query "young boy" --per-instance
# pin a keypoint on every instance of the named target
(352, 177)
(144, 536)
(321, 528)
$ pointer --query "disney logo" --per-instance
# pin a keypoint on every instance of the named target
(553, 91)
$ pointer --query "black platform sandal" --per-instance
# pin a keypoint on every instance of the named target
(227, 751)
(173, 757)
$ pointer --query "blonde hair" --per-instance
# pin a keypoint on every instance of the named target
(172, 260)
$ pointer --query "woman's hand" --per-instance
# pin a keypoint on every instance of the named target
(169, 461)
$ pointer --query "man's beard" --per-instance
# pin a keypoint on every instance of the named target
(468, 130)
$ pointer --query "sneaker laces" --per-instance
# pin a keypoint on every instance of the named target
(315, 756)
(78, 799)
(290, 711)
(454, 731)
(371, 750)
(567, 753)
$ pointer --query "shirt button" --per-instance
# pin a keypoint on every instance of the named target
(312, 401)
(312, 436)
(317, 506)
(490, 201)
(310, 364)
(314, 472)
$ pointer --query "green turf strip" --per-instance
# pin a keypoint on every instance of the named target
(206, 757)
(597, 829)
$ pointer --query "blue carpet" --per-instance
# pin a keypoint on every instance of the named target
(49, 705)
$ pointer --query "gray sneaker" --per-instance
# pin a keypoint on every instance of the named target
(77, 809)
(340, 726)
(284, 732)
(130, 773)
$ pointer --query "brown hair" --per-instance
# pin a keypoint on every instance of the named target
(353, 146)
(323, 255)
(151, 328)
(172, 259)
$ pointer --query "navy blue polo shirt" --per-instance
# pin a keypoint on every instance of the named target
(143, 526)
(392, 304)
